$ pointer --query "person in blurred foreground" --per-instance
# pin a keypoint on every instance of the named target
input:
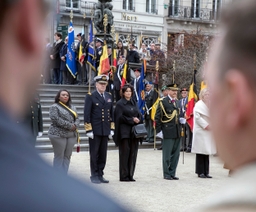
(231, 77)
(27, 182)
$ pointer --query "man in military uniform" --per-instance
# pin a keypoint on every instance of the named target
(99, 126)
(98, 44)
(167, 120)
(148, 104)
(187, 140)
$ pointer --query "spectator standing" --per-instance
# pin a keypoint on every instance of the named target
(121, 51)
(127, 115)
(133, 55)
(63, 130)
(144, 53)
(118, 77)
(202, 144)
(148, 105)
(55, 56)
(47, 72)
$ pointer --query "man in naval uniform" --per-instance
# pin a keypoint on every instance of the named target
(167, 120)
(99, 126)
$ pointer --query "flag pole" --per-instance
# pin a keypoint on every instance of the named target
(90, 68)
(154, 123)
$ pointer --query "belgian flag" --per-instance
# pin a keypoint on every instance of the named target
(192, 99)
(104, 66)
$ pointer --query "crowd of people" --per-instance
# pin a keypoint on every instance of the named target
(55, 70)
(231, 79)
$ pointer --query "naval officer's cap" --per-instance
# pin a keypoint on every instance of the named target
(101, 79)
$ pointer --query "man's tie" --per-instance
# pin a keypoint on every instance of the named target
(102, 96)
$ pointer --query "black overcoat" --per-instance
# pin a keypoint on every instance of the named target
(123, 117)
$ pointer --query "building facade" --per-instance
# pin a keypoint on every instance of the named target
(136, 20)
(191, 16)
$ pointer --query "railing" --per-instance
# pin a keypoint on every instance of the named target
(193, 13)
(81, 7)
(152, 10)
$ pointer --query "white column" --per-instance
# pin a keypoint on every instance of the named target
(173, 3)
(149, 6)
(194, 8)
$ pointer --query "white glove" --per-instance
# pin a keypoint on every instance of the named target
(182, 121)
(110, 137)
(90, 135)
(40, 134)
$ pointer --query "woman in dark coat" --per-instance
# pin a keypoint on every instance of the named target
(127, 115)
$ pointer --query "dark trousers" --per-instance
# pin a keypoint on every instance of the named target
(57, 76)
(186, 143)
(202, 164)
(128, 149)
(150, 129)
(98, 154)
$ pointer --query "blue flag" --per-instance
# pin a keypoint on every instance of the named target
(91, 58)
(71, 52)
(141, 92)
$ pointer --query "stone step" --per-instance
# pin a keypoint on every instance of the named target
(85, 147)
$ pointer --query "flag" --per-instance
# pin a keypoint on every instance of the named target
(71, 52)
(192, 98)
(155, 97)
(80, 54)
(91, 59)
(114, 58)
(104, 66)
(124, 75)
(203, 85)
(141, 91)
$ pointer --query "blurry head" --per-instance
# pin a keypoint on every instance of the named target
(121, 60)
(137, 73)
(24, 24)
(148, 87)
(120, 44)
(231, 77)
(66, 39)
(152, 46)
(127, 91)
(184, 92)
(109, 50)
(79, 36)
(143, 46)
(64, 97)
(204, 96)
(57, 36)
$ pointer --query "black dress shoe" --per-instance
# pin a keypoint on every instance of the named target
(201, 176)
(174, 178)
(188, 150)
(208, 176)
(160, 148)
(168, 178)
(95, 180)
(132, 180)
(125, 180)
(103, 180)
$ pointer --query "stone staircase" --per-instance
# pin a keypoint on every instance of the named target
(47, 93)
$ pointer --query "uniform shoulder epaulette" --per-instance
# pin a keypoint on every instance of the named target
(89, 93)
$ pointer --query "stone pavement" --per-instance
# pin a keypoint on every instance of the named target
(150, 192)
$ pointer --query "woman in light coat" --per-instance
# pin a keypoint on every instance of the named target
(202, 144)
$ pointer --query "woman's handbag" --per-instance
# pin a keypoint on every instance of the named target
(139, 131)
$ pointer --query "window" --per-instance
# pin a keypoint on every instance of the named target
(151, 6)
(75, 4)
(128, 4)
(149, 40)
(174, 7)
(126, 38)
(216, 5)
(195, 8)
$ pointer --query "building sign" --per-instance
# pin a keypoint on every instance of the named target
(126, 17)
(130, 26)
